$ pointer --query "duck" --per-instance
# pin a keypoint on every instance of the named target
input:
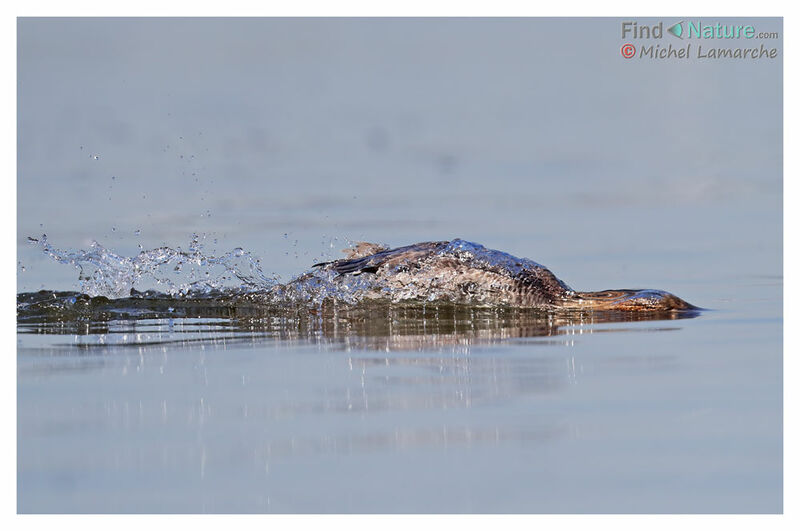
(463, 272)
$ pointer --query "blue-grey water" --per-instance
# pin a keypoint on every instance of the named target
(290, 138)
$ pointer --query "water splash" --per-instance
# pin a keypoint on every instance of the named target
(454, 272)
(315, 287)
(196, 273)
(176, 272)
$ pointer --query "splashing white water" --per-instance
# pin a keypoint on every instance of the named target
(194, 272)
(177, 272)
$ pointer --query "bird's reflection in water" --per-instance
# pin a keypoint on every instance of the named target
(388, 327)
(400, 367)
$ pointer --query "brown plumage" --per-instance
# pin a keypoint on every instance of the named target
(463, 272)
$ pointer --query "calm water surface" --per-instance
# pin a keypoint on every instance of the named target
(290, 138)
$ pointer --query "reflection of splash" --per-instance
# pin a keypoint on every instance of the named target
(377, 361)
(436, 352)
(367, 326)
(435, 347)
(440, 437)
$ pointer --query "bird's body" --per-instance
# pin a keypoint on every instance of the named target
(463, 272)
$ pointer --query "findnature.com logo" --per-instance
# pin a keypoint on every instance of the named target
(695, 29)
(686, 30)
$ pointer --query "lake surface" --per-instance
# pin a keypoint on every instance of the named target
(290, 139)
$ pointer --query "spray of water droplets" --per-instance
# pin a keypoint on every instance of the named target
(177, 272)
(195, 272)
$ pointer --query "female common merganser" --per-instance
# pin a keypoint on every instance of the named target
(459, 271)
